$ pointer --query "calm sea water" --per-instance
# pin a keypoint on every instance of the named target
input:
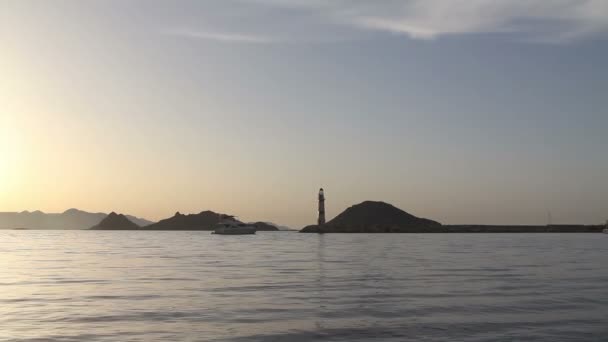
(194, 286)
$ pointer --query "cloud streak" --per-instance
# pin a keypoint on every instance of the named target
(555, 20)
(223, 37)
(538, 20)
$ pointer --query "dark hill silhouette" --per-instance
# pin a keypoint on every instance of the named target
(115, 222)
(205, 220)
(376, 217)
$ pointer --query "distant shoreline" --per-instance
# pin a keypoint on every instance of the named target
(444, 229)
(457, 229)
(365, 217)
(524, 228)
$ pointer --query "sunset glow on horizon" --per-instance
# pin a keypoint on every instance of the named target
(145, 108)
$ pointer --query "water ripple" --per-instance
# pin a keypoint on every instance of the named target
(193, 286)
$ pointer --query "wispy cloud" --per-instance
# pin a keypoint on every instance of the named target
(555, 20)
(225, 37)
(538, 20)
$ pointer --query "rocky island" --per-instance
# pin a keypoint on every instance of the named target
(376, 217)
(380, 217)
(205, 220)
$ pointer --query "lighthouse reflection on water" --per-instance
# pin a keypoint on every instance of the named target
(322, 312)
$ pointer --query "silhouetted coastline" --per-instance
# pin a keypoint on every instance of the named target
(380, 217)
(71, 219)
(446, 229)
(366, 217)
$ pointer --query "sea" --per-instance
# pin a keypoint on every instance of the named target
(286, 286)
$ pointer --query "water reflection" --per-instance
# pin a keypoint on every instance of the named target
(159, 286)
(321, 282)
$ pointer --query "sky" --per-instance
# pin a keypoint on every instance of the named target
(462, 111)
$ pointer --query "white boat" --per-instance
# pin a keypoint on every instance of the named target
(230, 226)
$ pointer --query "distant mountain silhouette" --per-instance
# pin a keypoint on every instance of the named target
(375, 217)
(265, 226)
(116, 222)
(205, 220)
(278, 226)
(69, 219)
(139, 221)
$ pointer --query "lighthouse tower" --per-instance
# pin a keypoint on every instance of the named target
(321, 220)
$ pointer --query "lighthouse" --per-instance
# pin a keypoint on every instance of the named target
(321, 220)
